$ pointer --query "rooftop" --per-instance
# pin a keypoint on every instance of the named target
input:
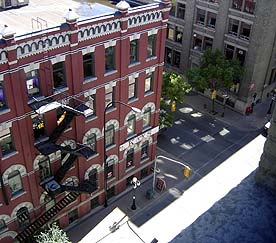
(40, 15)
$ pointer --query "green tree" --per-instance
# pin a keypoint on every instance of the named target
(174, 87)
(215, 72)
(53, 235)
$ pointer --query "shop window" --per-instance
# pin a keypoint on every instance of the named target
(110, 59)
(146, 117)
(91, 142)
(149, 82)
(178, 34)
(23, 218)
(73, 216)
(200, 18)
(131, 125)
(44, 168)
(109, 96)
(2, 96)
(130, 158)
(132, 88)
(15, 182)
(38, 126)
(110, 169)
(109, 136)
(145, 150)
(88, 66)
(59, 75)
(6, 141)
(134, 51)
(33, 83)
(93, 177)
(181, 10)
(129, 181)
(151, 50)
(94, 202)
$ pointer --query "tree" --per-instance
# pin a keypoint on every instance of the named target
(53, 235)
(215, 72)
(174, 87)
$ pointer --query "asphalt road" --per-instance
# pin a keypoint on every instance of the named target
(199, 141)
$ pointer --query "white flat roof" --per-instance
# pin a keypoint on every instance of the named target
(47, 14)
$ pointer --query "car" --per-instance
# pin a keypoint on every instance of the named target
(265, 129)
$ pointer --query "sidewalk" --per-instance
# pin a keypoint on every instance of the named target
(254, 121)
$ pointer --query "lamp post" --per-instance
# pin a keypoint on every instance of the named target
(136, 110)
(135, 182)
(186, 167)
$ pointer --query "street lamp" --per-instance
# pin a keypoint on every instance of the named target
(136, 110)
(187, 169)
(135, 182)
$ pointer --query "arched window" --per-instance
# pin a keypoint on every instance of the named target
(109, 136)
(110, 169)
(93, 177)
(146, 117)
(131, 125)
(15, 182)
(23, 218)
(145, 150)
(130, 158)
(44, 168)
(92, 141)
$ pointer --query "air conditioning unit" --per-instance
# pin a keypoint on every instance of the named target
(240, 52)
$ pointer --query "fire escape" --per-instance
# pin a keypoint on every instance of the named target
(53, 185)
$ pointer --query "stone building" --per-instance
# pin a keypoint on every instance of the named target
(242, 29)
(64, 74)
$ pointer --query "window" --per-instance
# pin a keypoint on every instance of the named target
(241, 55)
(200, 18)
(2, 225)
(145, 150)
(2, 96)
(272, 78)
(88, 66)
(111, 192)
(32, 82)
(198, 40)
(94, 202)
(6, 141)
(91, 142)
(249, 6)
(170, 32)
(181, 10)
(109, 136)
(176, 58)
(109, 95)
(132, 88)
(151, 50)
(44, 168)
(211, 20)
(208, 43)
(178, 34)
(144, 173)
(38, 126)
(59, 75)
(146, 117)
(15, 182)
(73, 216)
(110, 169)
(233, 27)
(134, 50)
(245, 31)
(172, 10)
(237, 4)
(93, 178)
(23, 218)
(90, 101)
(130, 157)
(131, 125)
(48, 201)
(229, 51)
(168, 55)
(110, 59)
(149, 82)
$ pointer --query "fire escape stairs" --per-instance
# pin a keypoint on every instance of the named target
(45, 217)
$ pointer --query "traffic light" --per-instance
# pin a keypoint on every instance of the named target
(173, 107)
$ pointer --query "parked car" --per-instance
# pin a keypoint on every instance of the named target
(265, 129)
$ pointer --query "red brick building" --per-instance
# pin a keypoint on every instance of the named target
(55, 83)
